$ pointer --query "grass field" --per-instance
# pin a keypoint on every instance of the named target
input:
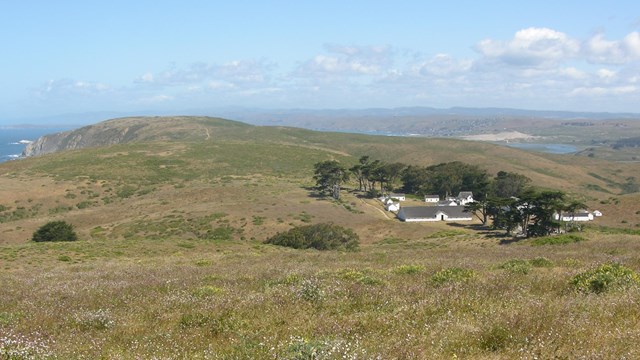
(169, 298)
(171, 263)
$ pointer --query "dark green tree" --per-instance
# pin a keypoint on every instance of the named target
(508, 184)
(415, 180)
(323, 236)
(358, 170)
(55, 231)
(329, 176)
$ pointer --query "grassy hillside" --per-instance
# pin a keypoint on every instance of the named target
(170, 262)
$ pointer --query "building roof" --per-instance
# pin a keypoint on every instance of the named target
(432, 196)
(577, 214)
(431, 212)
(465, 194)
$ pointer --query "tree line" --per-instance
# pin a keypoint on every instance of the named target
(508, 199)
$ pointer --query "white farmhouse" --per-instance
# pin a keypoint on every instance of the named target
(464, 197)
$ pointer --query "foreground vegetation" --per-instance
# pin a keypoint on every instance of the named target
(424, 298)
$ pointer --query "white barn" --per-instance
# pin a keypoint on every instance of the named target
(577, 216)
(434, 213)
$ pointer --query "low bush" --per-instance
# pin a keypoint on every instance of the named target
(324, 236)
(454, 274)
(541, 262)
(557, 240)
(517, 266)
(409, 269)
(604, 278)
(55, 231)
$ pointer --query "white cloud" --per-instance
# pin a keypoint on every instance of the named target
(601, 51)
(531, 47)
(220, 85)
(156, 99)
(573, 73)
(234, 72)
(606, 74)
(347, 61)
(147, 78)
(444, 65)
(604, 91)
(64, 87)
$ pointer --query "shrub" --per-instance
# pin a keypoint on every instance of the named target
(557, 240)
(324, 236)
(604, 278)
(517, 266)
(496, 338)
(310, 290)
(454, 274)
(409, 269)
(541, 262)
(55, 231)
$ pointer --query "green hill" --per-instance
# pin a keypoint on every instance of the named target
(152, 164)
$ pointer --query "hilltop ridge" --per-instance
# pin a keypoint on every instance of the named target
(126, 130)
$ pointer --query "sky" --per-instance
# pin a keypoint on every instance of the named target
(70, 57)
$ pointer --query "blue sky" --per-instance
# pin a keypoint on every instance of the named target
(62, 57)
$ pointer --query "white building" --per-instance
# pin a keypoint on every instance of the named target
(434, 213)
(431, 198)
(582, 215)
(395, 207)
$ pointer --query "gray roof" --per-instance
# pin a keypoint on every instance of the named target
(432, 196)
(464, 194)
(577, 214)
(430, 212)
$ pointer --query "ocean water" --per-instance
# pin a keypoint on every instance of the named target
(12, 140)
(547, 148)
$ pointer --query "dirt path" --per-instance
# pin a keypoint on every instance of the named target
(376, 208)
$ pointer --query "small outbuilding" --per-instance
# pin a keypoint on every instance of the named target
(448, 202)
(431, 198)
(394, 207)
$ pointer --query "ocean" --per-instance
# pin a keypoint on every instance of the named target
(13, 140)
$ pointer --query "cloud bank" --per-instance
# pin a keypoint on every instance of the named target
(537, 68)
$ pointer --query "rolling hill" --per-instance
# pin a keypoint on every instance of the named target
(115, 174)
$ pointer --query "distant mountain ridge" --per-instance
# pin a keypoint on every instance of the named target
(287, 116)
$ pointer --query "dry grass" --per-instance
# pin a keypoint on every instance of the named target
(202, 299)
